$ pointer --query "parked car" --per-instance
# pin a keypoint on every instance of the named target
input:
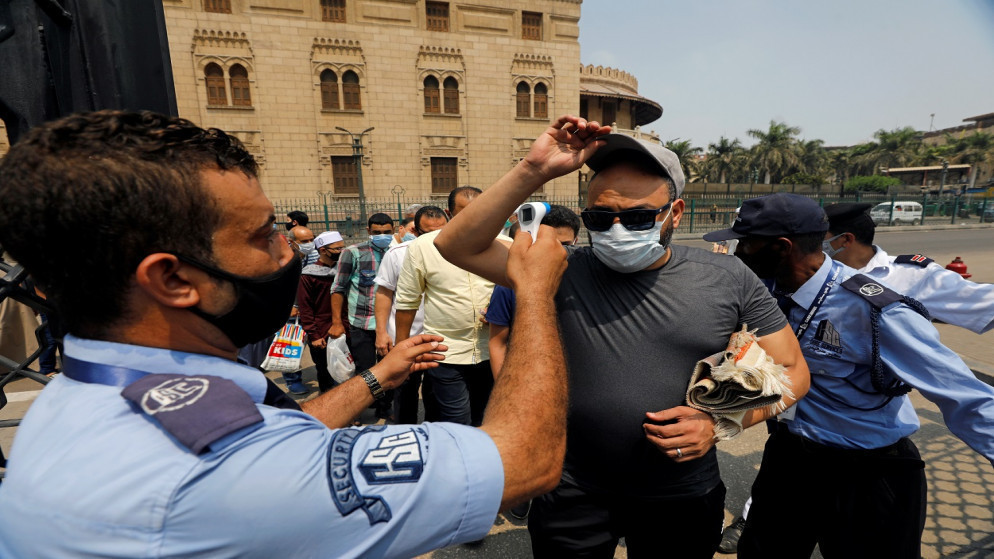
(903, 212)
(988, 214)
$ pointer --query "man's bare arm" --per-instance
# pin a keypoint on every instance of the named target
(381, 310)
(526, 416)
(337, 407)
(337, 326)
(403, 322)
(498, 347)
(468, 241)
(783, 348)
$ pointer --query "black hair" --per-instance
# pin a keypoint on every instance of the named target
(461, 190)
(298, 216)
(379, 219)
(808, 242)
(861, 227)
(406, 221)
(561, 216)
(121, 185)
(428, 212)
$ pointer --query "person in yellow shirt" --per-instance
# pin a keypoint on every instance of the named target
(454, 301)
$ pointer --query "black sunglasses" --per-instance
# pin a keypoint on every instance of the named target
(633, 220)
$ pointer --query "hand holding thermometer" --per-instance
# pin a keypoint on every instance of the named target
(530, 216)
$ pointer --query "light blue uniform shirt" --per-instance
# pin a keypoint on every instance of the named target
(947, 296)
(837, 348)
(90, 475)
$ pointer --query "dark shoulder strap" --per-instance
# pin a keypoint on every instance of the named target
(871, 291)
(919, 260)
(196, 410)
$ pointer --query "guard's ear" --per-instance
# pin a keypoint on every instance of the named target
(170, 282)
(782, 246)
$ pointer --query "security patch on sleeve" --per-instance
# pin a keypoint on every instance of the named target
(197, 410)
(913, 259)
(868, 288)
(396, 458)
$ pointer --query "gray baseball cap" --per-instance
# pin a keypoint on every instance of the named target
(668, 162)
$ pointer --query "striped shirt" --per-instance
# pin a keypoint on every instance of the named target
(356, 272)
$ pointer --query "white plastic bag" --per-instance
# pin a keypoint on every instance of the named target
(340, 363)
(286, 350)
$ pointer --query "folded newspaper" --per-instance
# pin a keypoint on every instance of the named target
(732, 382)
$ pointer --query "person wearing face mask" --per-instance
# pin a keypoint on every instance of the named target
(405, 232)
(295, 218)
(314, 308)
(302, 240)
(636, 315)
(354, 292)
(947, 295)
(867, 346)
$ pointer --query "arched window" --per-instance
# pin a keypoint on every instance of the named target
(350, 91)
(333, 10)
(329, 90)
(524, 100)
(240, 86)
(214, 76)
(431, 95)
(451, 96)
(541, 101)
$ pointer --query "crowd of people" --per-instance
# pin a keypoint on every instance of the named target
(553, 376)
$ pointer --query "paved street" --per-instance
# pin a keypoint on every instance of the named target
(961, 483)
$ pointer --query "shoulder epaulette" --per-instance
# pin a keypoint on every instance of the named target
(196, 410)
(874, 293)
(913, 259)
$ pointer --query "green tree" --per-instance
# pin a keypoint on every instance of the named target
(724, 159)
(774, 152)
(895, 148)
(812, 157)
(973, 149)
(871, 183)
(688, 156)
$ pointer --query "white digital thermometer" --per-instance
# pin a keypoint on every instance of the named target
(530, 216)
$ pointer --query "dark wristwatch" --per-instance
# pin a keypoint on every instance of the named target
(374, 385)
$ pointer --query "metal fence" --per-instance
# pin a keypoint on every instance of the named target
(704, 212)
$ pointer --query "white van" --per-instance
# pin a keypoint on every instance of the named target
(904, 213)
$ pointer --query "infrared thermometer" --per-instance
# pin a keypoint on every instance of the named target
(530, 216)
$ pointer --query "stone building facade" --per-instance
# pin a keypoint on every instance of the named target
(453, 93)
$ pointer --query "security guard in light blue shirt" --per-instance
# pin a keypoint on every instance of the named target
(855, 482)
(176, 490)
(155, 442)
(947, 295)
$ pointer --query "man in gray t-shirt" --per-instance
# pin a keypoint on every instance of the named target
(636, 315)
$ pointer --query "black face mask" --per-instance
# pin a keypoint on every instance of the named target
(288, 225)
(263, 304)
(764, 262)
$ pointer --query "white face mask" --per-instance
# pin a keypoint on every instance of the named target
(305, 248)
(826, 246)
(628, 251)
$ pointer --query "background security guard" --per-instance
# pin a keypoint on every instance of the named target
(947, 295)
(841, 471)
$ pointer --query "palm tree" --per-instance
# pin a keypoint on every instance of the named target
(973, 149)
(896, 148)
(723, 159)
(687, 154)
(812, 157)
(774, 152)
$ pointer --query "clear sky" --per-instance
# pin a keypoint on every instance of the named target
(838, 69)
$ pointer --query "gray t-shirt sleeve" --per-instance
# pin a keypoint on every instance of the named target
(759, 308)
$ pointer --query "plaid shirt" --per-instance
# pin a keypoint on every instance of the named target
(356, 272)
